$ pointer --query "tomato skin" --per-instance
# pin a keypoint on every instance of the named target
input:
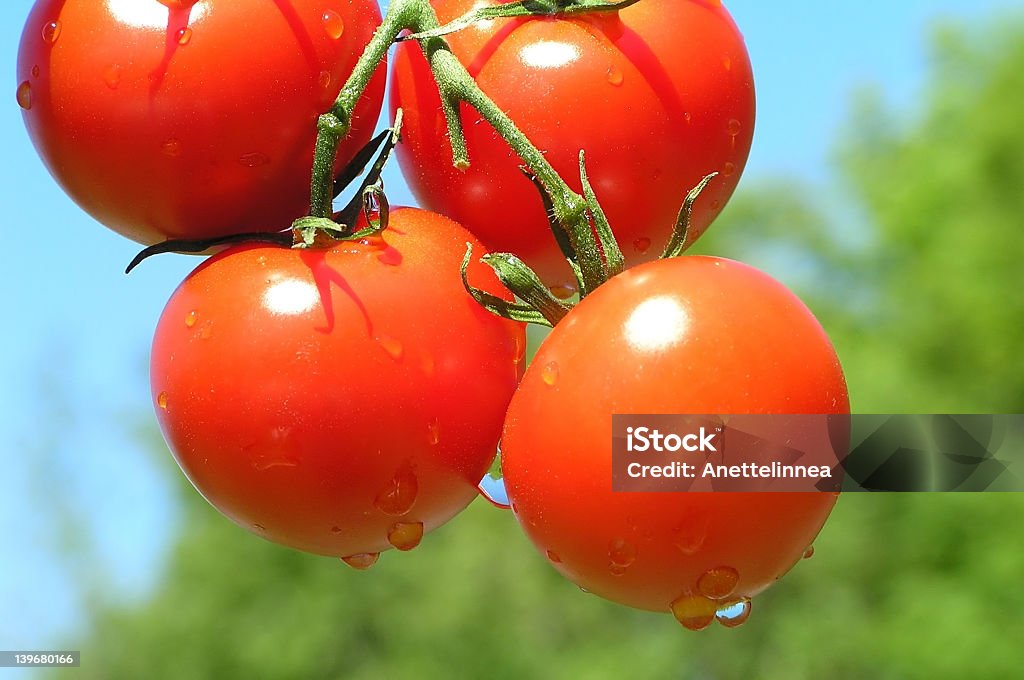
(190, 120)
(296, 389)
(659, 95)
(697, 335)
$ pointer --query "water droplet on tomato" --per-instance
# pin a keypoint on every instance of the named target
(690, 536)
(253, 160)
(809, 553)
(36, 71)
(334, 25)
(112, 76)
(434, 432)
(729, 169)
(734, 614)
(171, 148)
(727, 63)
(335, 529)
(51, 31)
(191, 318)
(642, 245)
(161, 400)
(718, 583)
(324, 80)
(25, 95)
(688, 117)
(392, 346)
(259, 527)
(563, 292)
(405, 535)
(184, 35)
(694, 612)
(553, 556)
(615, 76)
(734, 127)
(494, 492)
(361, 561)
(549, 374)
(621, 553)
(398, 497)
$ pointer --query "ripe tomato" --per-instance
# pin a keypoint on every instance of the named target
(659, 95)
(691, 335)
(190, 118)
(339, 401)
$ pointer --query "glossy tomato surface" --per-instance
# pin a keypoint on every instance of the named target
(691, 335)
(339, 401)
(659, 95)
(190, 119)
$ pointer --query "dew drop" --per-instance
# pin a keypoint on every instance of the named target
(112, 76)
(392, 346)
(734, 614)
(36, 71)
(324, 80)
(518, 348)
(191, 318)
(171, 148)
(51, 31)
(405, 535)
(563, 292)
(361, 561)
(689, 538)
(688, 117)
(642, 245)
(253, 160)
(25, 95)
(734, 127)
(694, 612)
(727, 63)
(184, 36)
(161, 400)
(615, 76)
(729, 169)
(718, 583)
(549, 374)
(494, 492)
(259, 527)
(809, 553)
(434, 432)
(621, 553)
(553, 556)
(335, 529)
(398, 497)
(334, 25)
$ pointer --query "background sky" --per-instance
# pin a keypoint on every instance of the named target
(76, 331)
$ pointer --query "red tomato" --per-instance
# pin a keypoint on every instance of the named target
(659, 95)
(692, 335)
(339, 401)
(190, 119)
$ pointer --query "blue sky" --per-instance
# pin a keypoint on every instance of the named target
(74, 347)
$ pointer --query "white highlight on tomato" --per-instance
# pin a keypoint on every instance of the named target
(549, 54)
(657, 324)
(150, 13)
(290, 296)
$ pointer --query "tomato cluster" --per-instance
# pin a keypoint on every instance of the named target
(346, 395)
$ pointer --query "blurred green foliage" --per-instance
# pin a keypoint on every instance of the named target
(915, 274)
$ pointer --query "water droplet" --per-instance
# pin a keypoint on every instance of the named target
(689, 537)
(563, 292)
(112, 76)
(729, 169)
(642, 245)
(184, 36)
(191, 318)
(809, 553)
(335, 529)
(324, 80)
(494, 492)
(734, 127)
(553, 556)
(405, 535)
(51, 32)
(727, 63)
(334, 25)
(518, 348)
(434, 432)
(718, 583)
(688, 117)
(615, 76)
(253, 160)
(621, 553)
(161, 400)
(550, 374)
(361, 561)
(398, 497)
(171, 148)
(206, 331)
(259, 527)
(734, 614)
(694, 612)
(392, 346)
(36, 71)
(25, 95)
